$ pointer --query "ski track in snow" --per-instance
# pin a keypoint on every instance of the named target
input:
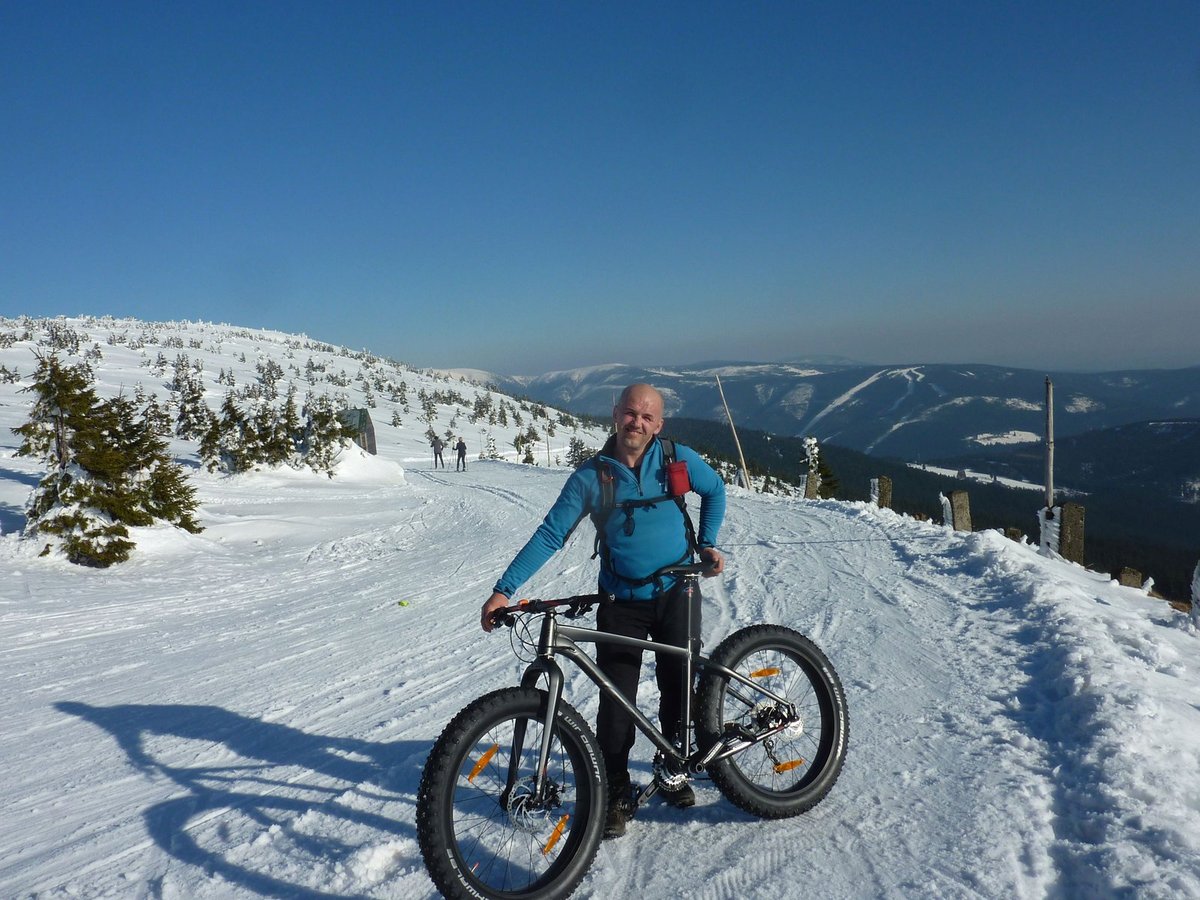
(258, 727)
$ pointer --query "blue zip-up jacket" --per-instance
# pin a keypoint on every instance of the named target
(659, 537)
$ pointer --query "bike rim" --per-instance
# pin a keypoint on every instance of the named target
(504, 843)
(788, 762)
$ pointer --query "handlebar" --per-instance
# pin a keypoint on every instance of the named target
(579, 605)
(582, 603)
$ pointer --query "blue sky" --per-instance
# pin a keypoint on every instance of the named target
(532, 186)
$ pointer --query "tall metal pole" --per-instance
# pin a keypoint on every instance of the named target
(736, 442)
(1049, 443)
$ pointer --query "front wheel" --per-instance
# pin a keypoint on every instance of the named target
(482, 828)
(792, 771)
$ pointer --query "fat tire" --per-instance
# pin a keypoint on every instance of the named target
(450, 852)
(817, 692)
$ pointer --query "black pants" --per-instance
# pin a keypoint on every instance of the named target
(665, 620)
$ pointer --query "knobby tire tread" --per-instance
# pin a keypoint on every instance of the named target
(442, 770)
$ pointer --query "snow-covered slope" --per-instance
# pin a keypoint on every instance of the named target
(245, 712)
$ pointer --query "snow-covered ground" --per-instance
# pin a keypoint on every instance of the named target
(245, 712)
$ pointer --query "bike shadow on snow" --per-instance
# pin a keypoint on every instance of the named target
(12, 518)
(385, 774)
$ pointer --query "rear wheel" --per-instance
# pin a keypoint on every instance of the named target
(483, 831)
(793, 770)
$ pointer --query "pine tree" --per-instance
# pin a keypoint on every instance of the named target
(577, 452)
(154, 486)
(194, 416)
(223, 446)
(290, 424)
(78, 502)
(324, 434)
(829, 482)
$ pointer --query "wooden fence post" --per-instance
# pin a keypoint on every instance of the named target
(960, 510)
(1130, 577)
(812, 485)
(1070, 533)
(881, 492)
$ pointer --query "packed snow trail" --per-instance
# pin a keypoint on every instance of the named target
(246, 712)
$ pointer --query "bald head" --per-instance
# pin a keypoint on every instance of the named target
(639, 393)
(637, 417)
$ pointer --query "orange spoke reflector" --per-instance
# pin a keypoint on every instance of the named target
(483, 761)
(767, 672)
(789, 765)
(555, 835)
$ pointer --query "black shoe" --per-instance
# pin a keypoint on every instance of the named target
(620, 811)
(682, 797)
(673, 785)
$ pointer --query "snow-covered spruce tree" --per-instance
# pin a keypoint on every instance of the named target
(223, 446)
(194, 417)
(238, 440)
(290, 423)
(75, 504)
(324, 434)
(156, 488)
(273, 442)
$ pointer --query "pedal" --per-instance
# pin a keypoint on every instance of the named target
(641, 796)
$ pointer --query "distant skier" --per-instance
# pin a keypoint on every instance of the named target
(461, 447)
(437, 453)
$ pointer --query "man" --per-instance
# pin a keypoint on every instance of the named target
(461, 447)
(636, 539)
(437, 453)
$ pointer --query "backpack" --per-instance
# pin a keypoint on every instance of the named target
(608, 504)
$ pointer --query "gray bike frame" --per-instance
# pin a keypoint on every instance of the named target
(558, 639)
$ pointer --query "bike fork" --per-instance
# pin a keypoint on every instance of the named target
(549, 669)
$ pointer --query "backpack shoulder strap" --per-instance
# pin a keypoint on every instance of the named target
(605, 478)
(668, 449)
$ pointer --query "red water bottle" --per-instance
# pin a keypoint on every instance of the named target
(678, 482)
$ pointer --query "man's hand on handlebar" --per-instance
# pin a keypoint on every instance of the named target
(495, 602)
(714, 556)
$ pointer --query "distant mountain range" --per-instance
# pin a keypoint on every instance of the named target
(916, 413)
(1161, 459)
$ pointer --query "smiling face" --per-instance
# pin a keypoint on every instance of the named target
(638, 417)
